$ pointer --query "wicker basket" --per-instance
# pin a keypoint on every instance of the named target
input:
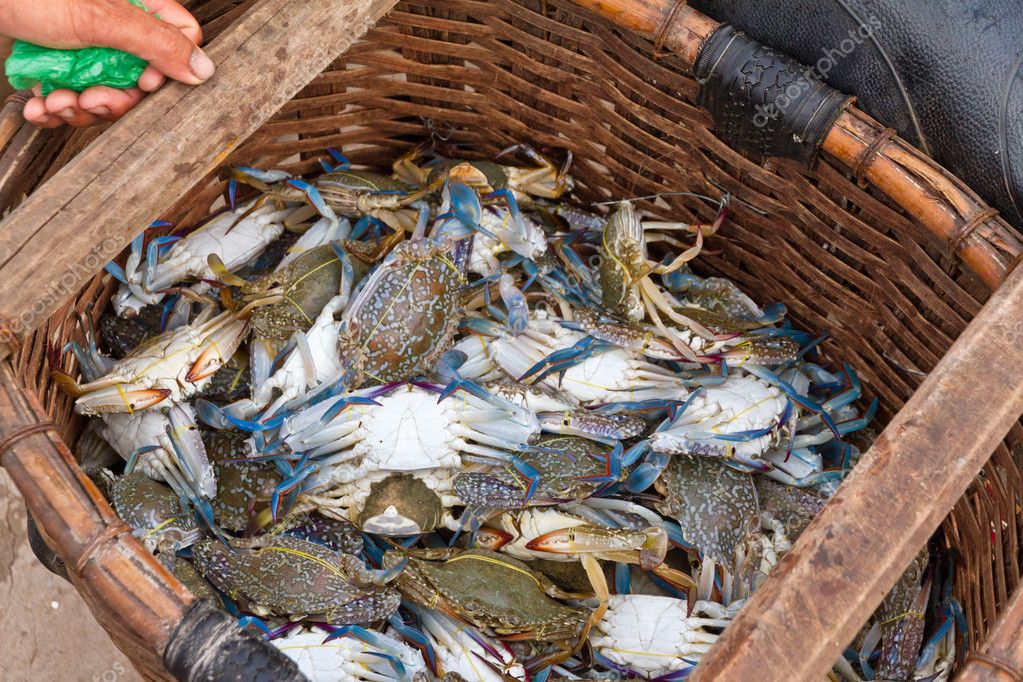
(894, 291)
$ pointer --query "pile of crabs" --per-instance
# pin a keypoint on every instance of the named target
(444, 422)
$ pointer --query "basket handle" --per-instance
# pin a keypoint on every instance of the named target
(148, 614)
(823, 120)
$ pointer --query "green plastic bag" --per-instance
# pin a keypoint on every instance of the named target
(72, 69)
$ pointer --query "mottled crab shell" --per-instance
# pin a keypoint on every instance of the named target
(794, 508)
(151, 508)
(307, 283)
(490, 590)
(292, 577)
(564, 462)
(715, 505)
(405, 315)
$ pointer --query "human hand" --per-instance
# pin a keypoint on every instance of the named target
(169, 44)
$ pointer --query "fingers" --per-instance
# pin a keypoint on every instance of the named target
(168, 44)
(64, 105)
(35, 113)
(108, 103)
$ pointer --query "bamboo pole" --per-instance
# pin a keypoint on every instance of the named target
(938, 200)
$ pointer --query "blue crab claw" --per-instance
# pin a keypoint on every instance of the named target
(481, 326)
(364, 224)
(542, 675)
(851, 425)
(793, 395)
(314, 196)
(153, 252)
(341, 161)
(633, 454)
(415, 638)
(219, 418)
(561, 360)
(232, 193)
(515, 301)
(448, 365)
(247, 621)
(848, 396)
(531, 475)
(646, 473)
(613, 470)
(117, 272)
(190, 453)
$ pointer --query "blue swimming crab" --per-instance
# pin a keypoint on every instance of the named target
(297, 578)
(464, 586)
(386, 457)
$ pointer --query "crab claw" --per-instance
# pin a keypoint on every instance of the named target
(116, 399)
(492, 538)
(646, 547)
(341, 162)
(219, 344)
(646, 473)
(190, 453)
(515, 302)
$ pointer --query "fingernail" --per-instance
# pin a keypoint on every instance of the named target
(67, 114)
(100, 111)
(201, 65)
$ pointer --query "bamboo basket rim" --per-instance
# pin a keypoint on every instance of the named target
(30, 449)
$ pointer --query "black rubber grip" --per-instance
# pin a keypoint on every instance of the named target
(764, 104)
(208, 646)
(47, 557)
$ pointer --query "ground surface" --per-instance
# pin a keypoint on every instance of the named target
(49, 633)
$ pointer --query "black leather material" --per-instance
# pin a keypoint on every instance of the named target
(47, 557)
(762, 102)
(208, 646)
(945, 74)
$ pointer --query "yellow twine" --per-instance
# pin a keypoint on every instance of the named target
(489, 560)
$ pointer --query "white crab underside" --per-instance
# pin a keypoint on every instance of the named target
(742, 403)
(652, 636)
(346, 659)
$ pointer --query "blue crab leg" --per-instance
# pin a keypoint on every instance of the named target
(623, 578)
(116, 271)
(521, 466)
(246, 621)
(315, 198)
(363, 225)
(561, 360)
(786, 388)
(232, 192)
(133, 459)
(341, 405)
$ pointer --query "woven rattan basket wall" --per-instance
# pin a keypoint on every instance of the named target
(841, 256)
